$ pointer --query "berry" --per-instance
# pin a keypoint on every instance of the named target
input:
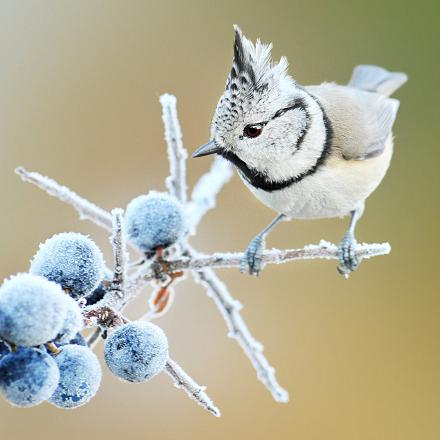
(32, 310)
(73, 322)
(71, 260)
(28, 377)
(136, 351)
(80, 377)
(154, 220)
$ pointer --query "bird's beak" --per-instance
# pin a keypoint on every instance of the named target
(205, 150)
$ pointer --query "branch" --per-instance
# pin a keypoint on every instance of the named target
(194, 391)
(238, 330)
(205, 191)
(86, 209)
(177, 154)
(119, 251)
(323, 250)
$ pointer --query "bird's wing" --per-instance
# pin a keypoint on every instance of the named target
(376, 79)
(361, 121)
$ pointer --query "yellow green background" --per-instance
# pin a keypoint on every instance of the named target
(79, 89)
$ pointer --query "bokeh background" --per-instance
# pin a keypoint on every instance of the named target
(79, 88)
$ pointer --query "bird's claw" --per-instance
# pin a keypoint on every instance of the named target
(348, 261)
(251, 261)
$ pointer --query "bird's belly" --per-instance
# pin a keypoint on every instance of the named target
(337, 188)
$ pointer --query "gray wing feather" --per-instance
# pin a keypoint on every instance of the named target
(377, 79)
(361, 121)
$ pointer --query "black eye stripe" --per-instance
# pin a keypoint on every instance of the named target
(298, 103)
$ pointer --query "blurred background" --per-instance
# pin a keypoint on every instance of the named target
(79, 89)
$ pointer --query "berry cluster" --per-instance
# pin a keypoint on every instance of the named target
(43, 355)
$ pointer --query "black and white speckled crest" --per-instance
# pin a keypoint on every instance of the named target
(252, 74)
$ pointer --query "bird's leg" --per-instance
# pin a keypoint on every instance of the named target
(348, 262)
(252, 257)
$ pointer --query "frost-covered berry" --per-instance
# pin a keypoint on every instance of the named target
(80, 377)
(73, 322)
(32, 310)
(71, 260)
(154, 220)
(28, 377)
(136, 351)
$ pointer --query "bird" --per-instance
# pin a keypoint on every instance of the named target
(307, 152)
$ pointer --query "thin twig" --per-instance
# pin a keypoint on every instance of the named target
(93, 339)
(119, 252)
(230, 310)
(177, 154)
(196, 392)
(205, 191)
(86, 209)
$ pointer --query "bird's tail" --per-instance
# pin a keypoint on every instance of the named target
(376, 79)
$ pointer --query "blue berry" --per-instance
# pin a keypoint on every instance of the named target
(73, 322)
(71, 260)
(32, 310)
(136, 351)
(80, 377)
(28, 377)
(154, 220)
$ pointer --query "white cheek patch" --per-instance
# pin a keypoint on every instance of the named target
(277, 143)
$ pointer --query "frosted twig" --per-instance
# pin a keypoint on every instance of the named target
(323, 250)
(177, 154)
(205, 191)
(119, 251)
(86, 209)
(230, 310)
(194, 391)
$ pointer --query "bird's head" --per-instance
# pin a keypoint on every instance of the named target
(261, 116)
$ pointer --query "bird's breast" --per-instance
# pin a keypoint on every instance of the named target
(336, 188)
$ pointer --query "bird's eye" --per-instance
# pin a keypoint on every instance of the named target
(253, 131)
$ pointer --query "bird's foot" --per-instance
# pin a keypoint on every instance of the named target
(348, 261)
(251, 261)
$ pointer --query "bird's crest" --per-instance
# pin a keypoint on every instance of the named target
(252, 65)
